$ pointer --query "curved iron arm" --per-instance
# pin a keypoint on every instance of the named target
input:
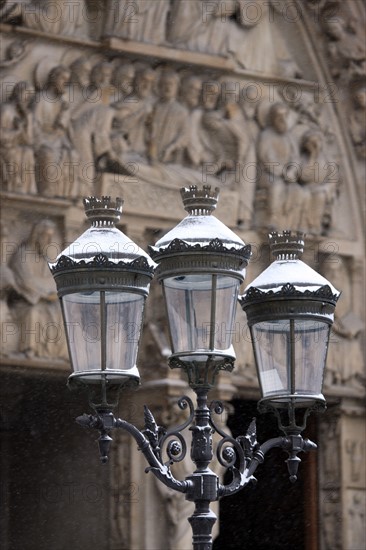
(106, 422)
(293, 444)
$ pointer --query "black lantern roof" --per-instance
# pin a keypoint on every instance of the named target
(289, 278)
(105, 248)
(200, 241)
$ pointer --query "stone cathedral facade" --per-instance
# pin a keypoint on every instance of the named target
(137, 98)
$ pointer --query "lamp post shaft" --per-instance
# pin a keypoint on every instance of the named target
(204, 482)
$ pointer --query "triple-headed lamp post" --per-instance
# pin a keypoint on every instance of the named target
(103, 279)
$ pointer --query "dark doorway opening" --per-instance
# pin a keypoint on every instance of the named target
(274, 513)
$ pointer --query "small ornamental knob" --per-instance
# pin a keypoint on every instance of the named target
(287, 245)
(200, 202)
(103, 211)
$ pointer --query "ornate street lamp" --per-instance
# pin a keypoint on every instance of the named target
(201, 264)
(290, 310)
(103, 278)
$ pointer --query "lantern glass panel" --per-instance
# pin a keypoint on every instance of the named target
(290, 356)
(103, 329)
(201, 311)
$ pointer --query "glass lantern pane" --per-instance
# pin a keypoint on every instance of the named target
(290, 356)
(123, 317)
(272, 351)
(201, 311)
(82, 321)
(123, 320)
(311, 344)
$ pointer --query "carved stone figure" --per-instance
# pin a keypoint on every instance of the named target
(190, 96)
(17, 162)
(36, 306)
(356, 516)
(358, 121)
(133, 114)
(122, 81)
(55, 155)
(168, 140)
(277, 163)
(9, 329)
(15, 52)
(345, 361)
(200, 26)
(92, 128)
(222, 28)
(79, 93)
(308, 204)
(51, 16)
(208, 143)
(256, 43)
(356, 455)
(140, 20)
(346, 50)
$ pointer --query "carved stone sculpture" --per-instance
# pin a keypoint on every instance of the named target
(92, 128)
(356, 521)
(201, 26)
(345, 361)
(346, 50)
(51, 16)
(55, 156)
(358, 121)
(133, 113)
(190, 95)
(79, 92)
(14, 53)
(309, 206)
(256, 43)
(36, 306)
(167, 141)
(17, 162)
(140, 20)
(277, 158)
(9, 329)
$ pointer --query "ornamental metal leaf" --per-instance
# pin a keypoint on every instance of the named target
(323, 292)
(216, 245)
(151, 430)
(177, 245)
(101, 260)
(64, 262)
(289, 290)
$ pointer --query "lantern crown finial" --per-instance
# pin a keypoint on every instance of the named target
(288, 245)
(199, 202)
(103, 211)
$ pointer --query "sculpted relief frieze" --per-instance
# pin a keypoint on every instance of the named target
(78, 120)
(82, 115)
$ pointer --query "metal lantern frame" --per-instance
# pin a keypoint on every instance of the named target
(311, 300)
(198, 245)
(185, 252)
(118, 270)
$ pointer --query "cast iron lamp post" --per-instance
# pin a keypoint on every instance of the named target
(103, 279)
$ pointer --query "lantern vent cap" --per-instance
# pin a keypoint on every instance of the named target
(103, 211)
(199, 202)
(288, 245)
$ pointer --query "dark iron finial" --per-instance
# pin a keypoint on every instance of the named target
(103, 211)
(288, 245)
(199, 202)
